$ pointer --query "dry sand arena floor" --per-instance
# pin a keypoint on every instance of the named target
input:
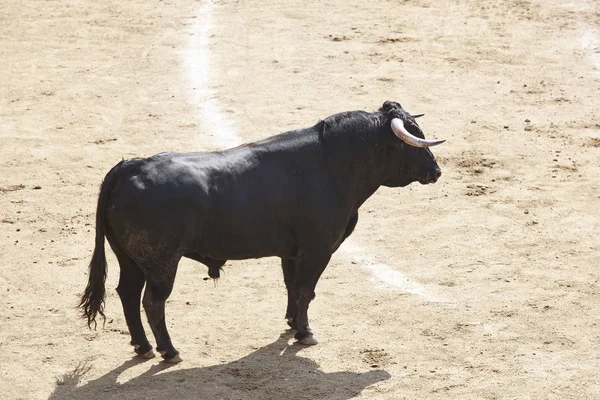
(482, 286)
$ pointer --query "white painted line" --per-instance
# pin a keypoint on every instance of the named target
(577, 6)
(213, 120)
(588, 38)
(588, 41)
(384, 276)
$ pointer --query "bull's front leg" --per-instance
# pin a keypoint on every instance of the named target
(289, 276)
(308, 271)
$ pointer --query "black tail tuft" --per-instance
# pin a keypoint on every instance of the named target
(92, 300)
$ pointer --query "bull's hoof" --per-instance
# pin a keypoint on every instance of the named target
(174, 360)
(171, 359)
(308, 341)
(147, 355)
(142, 352)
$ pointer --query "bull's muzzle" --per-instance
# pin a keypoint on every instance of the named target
(431, 177)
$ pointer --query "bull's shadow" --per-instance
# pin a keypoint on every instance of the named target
(272, 372)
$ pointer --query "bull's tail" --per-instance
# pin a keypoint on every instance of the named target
(92, 300)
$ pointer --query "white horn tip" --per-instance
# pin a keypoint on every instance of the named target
(401, 132)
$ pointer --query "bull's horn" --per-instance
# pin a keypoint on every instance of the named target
(417, 116)
(400, 131)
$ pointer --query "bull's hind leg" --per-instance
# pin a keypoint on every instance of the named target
(157, 291)
(131, 283)
(308, 272)
(289, 275)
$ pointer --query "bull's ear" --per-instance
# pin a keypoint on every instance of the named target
(390, 105)
(417, 116)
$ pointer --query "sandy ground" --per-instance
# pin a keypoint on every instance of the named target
(501, 254)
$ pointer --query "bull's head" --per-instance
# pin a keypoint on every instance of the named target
(410, 159)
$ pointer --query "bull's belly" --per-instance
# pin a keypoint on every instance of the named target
(151, 224)
(172, 236)
(236, 246)
(161, 244)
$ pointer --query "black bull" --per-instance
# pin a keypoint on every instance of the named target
(295, 196)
